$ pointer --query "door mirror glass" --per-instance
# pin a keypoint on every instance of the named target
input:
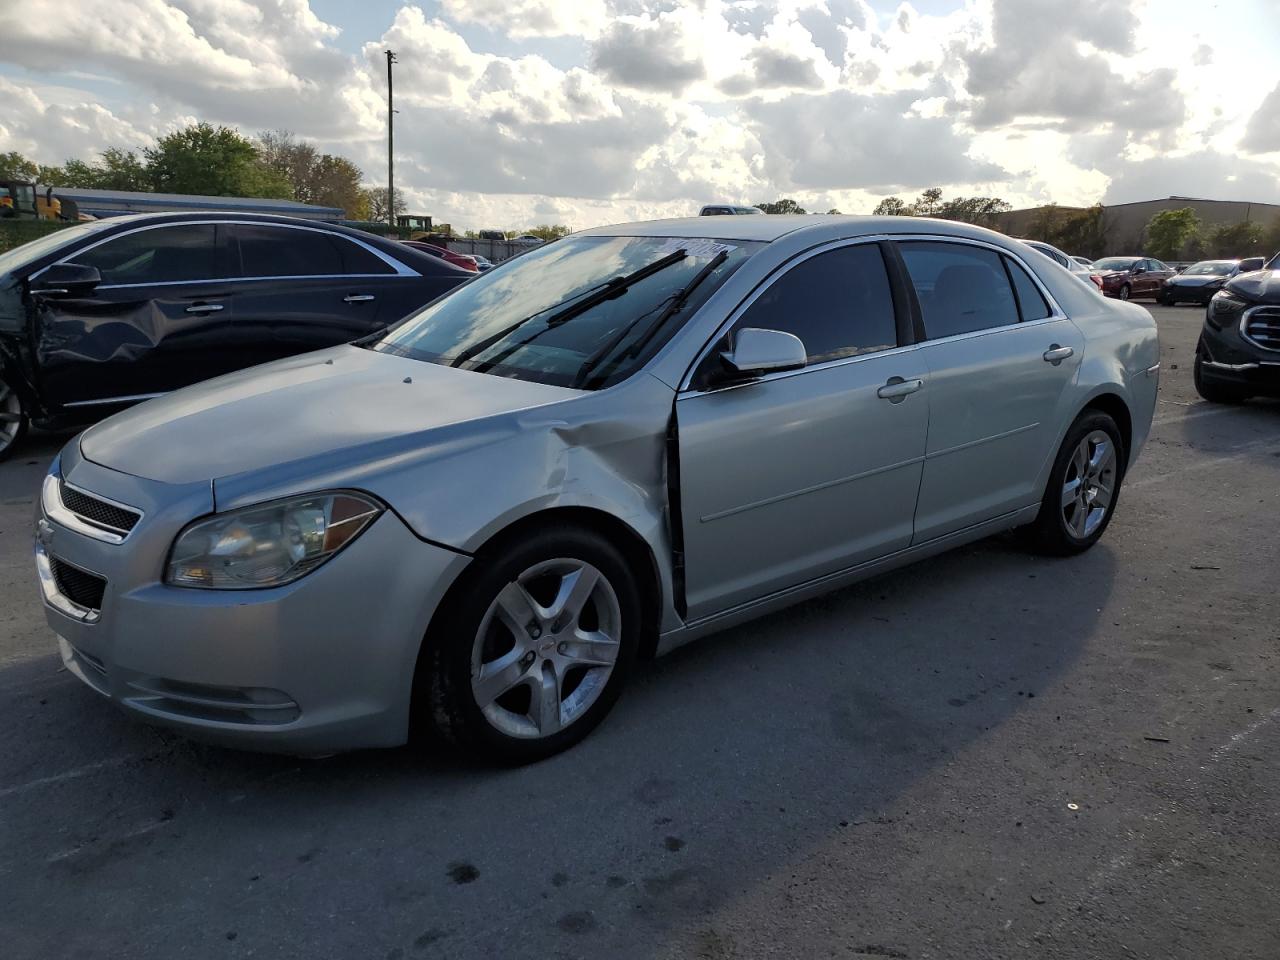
(67, 279)
(756, 352)
(1137, 269)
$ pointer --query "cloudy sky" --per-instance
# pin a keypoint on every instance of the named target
(514, 112)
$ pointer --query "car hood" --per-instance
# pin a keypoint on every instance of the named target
(1108, 274)
(1199, 280)
(334, 402)
(1261, 286)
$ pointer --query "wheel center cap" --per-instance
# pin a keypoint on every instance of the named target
(547, 646)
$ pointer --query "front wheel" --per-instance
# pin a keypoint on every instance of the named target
(13, 419)
(1084, 485)
(1125, 292)
(1165, 299)
(533, 648)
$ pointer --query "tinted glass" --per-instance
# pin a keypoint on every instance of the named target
(267, 251)
(1030, 299)
(1114, 263)
(961, 288)
(505, 321)
(182, 252)
(838, 303)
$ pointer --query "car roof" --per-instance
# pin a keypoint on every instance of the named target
(766, 229)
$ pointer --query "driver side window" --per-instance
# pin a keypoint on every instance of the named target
(182, 252)
(838, 303)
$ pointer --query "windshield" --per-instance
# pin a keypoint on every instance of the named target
(1114, 263)
(1218, 268)
(513, 321)
(35, 249)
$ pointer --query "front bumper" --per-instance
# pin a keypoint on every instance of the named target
(1179, 294)
(320, 665)
(1227, 358)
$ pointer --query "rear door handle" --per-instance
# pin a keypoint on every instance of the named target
(204, 308)
(1056, 354)
(897, 389)
(358, 298)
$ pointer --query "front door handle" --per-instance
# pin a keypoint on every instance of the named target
(897, 389)
(358, 298)
(204, 308)
(1056, 354)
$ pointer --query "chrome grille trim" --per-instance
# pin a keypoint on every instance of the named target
(1260, 326)
(58, 511)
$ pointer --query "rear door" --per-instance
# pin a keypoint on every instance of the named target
(305, 288)
(795, 475)
(1000, 358)
(162, 309)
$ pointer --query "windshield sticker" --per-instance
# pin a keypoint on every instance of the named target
(697, 249)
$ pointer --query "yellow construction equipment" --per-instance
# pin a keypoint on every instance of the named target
(24, 200)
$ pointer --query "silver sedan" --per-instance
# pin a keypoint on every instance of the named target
(472, 524)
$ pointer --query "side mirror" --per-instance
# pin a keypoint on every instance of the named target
(66, 279)
(757, 352)
(1136, 269)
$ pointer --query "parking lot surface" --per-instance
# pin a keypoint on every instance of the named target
(986, 755)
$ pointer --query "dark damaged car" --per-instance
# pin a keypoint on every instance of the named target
(1238, 356)
(111, 312)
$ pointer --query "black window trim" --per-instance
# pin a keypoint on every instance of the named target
(1055, 310)
(902, 324)
(401, 269)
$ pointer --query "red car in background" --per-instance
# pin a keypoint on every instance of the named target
(465, 261)
(1125, 277)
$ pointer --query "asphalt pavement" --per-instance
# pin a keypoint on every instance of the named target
(986, 755)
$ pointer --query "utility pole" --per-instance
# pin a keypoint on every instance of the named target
(391, 190)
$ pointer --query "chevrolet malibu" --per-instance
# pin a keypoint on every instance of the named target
(473, 524)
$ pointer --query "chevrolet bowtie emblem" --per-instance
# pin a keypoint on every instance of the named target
(44, 532)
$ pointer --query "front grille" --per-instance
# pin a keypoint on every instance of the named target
(81, 588)
(100, 513)
(1262, 326)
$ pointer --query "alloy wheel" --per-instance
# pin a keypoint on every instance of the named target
(545, 648)
(10, 416)
(1090, 484)
(1124, 292)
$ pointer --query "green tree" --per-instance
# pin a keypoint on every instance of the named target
(121, 170)
(14, 166)
(781, 206)
(833, 212)
(982, 211)
(891, 207)
(547, 231)
(1169, 231)
(927, 203)
(1232, 240)
(376, 204)
(214, 161)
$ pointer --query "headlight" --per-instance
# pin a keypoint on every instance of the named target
(1224, 309)
(269, 544)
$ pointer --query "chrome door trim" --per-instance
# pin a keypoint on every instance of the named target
(132, 398)
(825, 485)
(736, 313)
(401, 270)
(204, 308)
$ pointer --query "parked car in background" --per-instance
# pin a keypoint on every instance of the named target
(104, 314)
(474, 524)
(726, 210)
(1127, 277)
(483, 263)
(1066, 262)
(464, 261)
(1238, 355)
(1200, 281)
(1083, 261)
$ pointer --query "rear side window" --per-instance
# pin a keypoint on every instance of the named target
(961, 288)
(183, 252)
(267, 251)
(838, 303)
(1030, 300)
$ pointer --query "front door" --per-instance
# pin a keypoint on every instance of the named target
(796, 475)
(162, 287)
(999, 361)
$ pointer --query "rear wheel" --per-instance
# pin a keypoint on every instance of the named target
(13, 419)
(1214, 392)
(534, 648)
(1084, 485)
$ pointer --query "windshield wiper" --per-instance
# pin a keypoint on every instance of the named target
(563, 314)
(584, 378)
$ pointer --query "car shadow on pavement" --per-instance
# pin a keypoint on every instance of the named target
(725, 765)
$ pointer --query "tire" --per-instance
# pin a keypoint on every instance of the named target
(14, 419)
(1214, 392)
(1064, 528)
(519, 583)
(1166, 300)
(1124, 292)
